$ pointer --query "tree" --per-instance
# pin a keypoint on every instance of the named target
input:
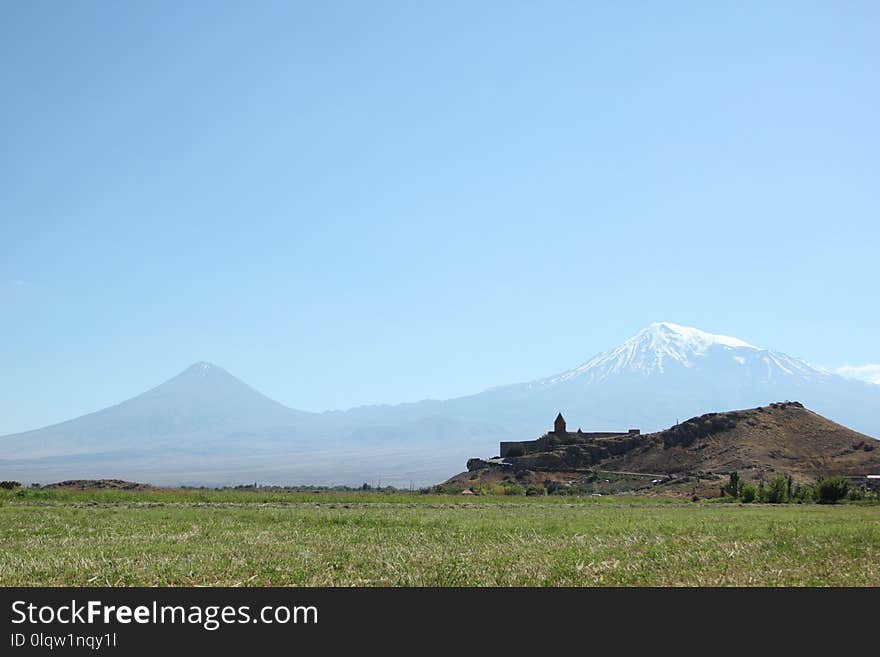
(803, 494)
(832, 489)
(734, 486)
(748, 493)
(777, 491)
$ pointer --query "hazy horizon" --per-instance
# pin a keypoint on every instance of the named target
(207, 427)
(864, 374)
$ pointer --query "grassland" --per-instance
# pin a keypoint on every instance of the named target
(175, 538)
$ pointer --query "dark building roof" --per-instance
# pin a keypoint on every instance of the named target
(559, 424)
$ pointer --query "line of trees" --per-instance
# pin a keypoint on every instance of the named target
(782, 490)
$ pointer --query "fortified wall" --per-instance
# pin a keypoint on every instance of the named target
(559, 436)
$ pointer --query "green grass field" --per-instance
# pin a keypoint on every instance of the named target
(174, 538)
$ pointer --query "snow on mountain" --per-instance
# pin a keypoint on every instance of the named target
(204, 426)
(662, 345)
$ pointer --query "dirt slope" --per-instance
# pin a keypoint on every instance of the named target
(784, 437)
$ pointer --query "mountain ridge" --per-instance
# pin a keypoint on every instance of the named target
(206, 425)
(660, 341)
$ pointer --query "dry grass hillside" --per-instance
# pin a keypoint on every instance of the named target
(780, 438)
(783, 437)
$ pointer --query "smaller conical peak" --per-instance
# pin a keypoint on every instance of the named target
(202, 368)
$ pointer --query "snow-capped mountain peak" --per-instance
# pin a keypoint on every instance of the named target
(662, 345)
(694, 339)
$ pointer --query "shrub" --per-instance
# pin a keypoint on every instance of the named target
(832, 489)
(748, 493)
(503, 488)
(734, 486)
(9, 485)
(856, 494)
(513, 489)
(576, 489)
(803, 494)
(531, 491)
(777, 491)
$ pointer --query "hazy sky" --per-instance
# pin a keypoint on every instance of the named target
(359, 202)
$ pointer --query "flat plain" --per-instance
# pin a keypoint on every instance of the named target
(231, 538)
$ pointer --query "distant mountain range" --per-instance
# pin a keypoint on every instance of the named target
(205, 426)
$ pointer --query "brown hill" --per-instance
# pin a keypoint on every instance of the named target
(784, 437)
(780, 438)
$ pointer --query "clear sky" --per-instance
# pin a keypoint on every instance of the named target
(357, 202)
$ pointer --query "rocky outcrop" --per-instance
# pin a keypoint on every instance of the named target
(782, 438)
(580, 456)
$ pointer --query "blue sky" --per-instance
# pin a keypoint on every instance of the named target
(345, 203)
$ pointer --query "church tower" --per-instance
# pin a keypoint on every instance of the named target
(559, 425)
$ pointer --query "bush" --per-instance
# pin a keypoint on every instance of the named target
(531, 491)
(734, 486)
(503, 488)
(512, 489)
(832, 489)
(856, 494)
(9, 485)
(576, 489)
(803, 494)
(777, 491)
(748, 493)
